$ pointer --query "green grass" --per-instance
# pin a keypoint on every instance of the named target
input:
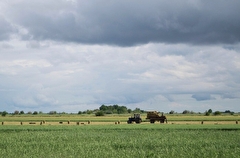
(112, 117)
(134, 140)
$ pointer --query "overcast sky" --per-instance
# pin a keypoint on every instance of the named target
(74, 55)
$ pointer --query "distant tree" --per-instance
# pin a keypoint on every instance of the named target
(52, 112)
(137, 110)
(4, 113)
(35, 113)
(89, 111)
(129, 110)
(40, 112)
(114, 109)
(186, 112)
(217, 113)
(99, 113)
(171, 112)
(21, 112)
(16, 112)
(29, 112)
(103, 108)
(209, 111)
(80, 112)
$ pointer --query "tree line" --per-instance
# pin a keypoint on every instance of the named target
(114, 109)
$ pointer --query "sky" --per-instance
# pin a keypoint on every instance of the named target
(74, 55)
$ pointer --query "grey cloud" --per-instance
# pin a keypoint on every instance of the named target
(201, 97)
(6, 29)
(127, 23)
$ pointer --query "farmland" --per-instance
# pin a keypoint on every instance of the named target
(183, 136)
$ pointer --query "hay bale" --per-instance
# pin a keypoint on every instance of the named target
(68, 122)
(202, 122)
(77, 123)
(118, 122)
(236, 122)
(32, 123)
(21, 123)
(61, 122)
(115, 123)
(89, 122)
(2, 123)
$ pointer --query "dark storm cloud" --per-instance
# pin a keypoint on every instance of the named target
(127, 23)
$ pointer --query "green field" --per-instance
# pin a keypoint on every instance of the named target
(183, 136)
(112, 118)
(133, 140)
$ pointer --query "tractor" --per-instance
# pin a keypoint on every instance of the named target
(153, 116)
(136, 118)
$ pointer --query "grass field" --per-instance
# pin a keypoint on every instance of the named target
(112, 118)
(135, 140)
(178, 138)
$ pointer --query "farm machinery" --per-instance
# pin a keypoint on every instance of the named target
(136, 118)
(154, 116)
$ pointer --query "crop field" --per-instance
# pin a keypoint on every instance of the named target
(106, 139)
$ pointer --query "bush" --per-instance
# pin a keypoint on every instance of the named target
(99, 113)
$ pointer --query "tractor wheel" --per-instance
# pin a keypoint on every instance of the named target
(138, 121)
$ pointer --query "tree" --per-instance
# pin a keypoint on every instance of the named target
(137, 110)
(207, 113)
(16, 112)
(4, 113)
(210, 111)
(103, 108)
(129, 110)
(217, 113)
(52, 112)
(171, 112)
(99, 113)
(22, 112)
(35, 113)
(186, 112)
